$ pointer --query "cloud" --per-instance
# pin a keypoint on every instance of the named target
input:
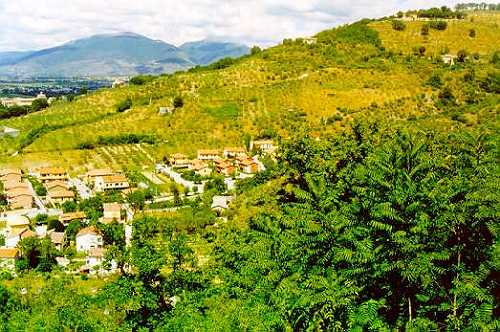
(35, 24)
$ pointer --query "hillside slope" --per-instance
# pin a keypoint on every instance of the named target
(361, 71)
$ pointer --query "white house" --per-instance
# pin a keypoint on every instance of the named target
(111, 182)
(15, 236)
(88, 238)
(221, 203)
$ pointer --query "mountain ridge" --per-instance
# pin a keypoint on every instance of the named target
(115, 54)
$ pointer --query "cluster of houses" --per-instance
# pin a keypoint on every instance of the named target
(18, 193)
(88, 241)
(232, 160)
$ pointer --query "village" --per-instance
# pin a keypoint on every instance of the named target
(44, 203)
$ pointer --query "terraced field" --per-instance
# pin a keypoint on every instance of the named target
(271, 92)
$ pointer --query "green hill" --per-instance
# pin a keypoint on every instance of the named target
(365, 70)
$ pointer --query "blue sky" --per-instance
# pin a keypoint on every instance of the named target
(36, 24)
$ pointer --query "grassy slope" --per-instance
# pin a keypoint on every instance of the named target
(287, 85)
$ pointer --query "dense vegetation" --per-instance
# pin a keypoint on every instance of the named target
(380, 213)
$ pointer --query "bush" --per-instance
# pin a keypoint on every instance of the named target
(141, 79)
(462, 56)
(39, 104)
(472, 33)
(178, 102)
(491, 83)
(425, 30)
(435, 81)
(438, 25)
(124, 105)
(398, 25)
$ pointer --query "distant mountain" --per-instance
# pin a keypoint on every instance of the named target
(205, 51)
(122, 54)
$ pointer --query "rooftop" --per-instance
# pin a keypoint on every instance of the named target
(6, 253)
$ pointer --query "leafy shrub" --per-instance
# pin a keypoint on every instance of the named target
(462, 56)
(141, 79)
(124, 105)
(491, 83)
(178, 102)
(435, 81)
(357, 33)
(438, 25)
(39, 104)
(425, 30)
(472, 33)
(398, 25)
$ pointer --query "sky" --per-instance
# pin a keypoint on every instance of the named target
(38, 24)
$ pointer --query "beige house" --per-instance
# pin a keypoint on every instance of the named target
(67, 218)
(248, 166)
(92, 175)
(48, 174)
(208, 155)
(61, 196)
(19, 198)
(112, 212)
(8, 258)
(11, 185)
(111, 182)
(225, 167)
(237, 152)
(17, 222)
(57, 238)
(200, 167)
(179, 160)
(56, 185)
(10, 175)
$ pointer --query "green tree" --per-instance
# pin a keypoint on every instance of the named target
(398, 25)
(178, 102)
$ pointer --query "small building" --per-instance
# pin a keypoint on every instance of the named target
(179, 160)
(265, 145)
(67, 218)
(17, 222)
(8, 258)
(10, 175)
(111, 182)
(9, 132)
(118, 83)
(95, 258)
(449, 59)
(221, 203)
(57, 238)
(56, 185)
(88, 238)
(15, 236)
(225, 167)
(237, 152)
(200, 167)
(11, 185)
(48, 174)
(309, 40)
(166, 110)
(92, 175)
(112, 212)
(211, 155)
(61, 196)
(20, 198)
(248, 166)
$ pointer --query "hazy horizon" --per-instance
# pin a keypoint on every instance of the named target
(260, 22)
